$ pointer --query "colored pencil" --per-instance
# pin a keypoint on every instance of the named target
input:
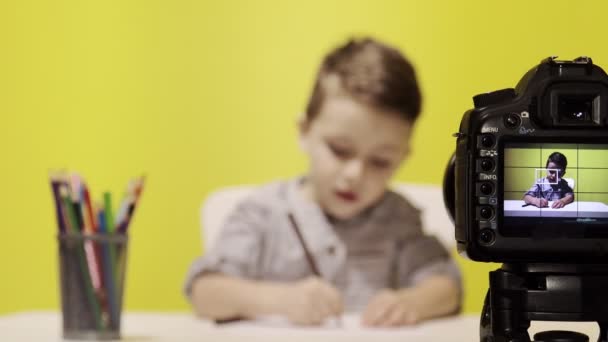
(85, 274)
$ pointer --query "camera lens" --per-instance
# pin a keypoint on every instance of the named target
(486, 212)
(486, 236)
(486, 188)
(487, 141)
(512, 120)
(487, 164)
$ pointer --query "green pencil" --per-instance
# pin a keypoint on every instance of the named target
(107, 201)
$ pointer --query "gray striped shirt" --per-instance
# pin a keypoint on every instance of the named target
(551, 192)
(383, 247)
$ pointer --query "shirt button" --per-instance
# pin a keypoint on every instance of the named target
(331, 250)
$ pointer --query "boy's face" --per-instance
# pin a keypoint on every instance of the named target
(354, 149)
(553, 175)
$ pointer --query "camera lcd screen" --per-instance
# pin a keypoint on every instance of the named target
(555, 185)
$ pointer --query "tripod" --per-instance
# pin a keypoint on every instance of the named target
(520, 293)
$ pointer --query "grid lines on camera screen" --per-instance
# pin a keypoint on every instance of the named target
(552, 171)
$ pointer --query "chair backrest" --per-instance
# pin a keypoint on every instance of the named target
(435, 218)
(215, 210)
(427, 198)
(570, 182)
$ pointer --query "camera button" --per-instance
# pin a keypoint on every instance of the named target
(486, 236)
(487, 141)
(486, 188)
(486, 164)
(486, 212)
(512, 120)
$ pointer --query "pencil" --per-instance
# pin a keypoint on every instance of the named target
(109, 222)
(56, 183)
(108, 269)
(134, 193)
(82, 261)
(309, 257)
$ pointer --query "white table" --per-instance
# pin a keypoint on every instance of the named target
(574, 209)
(143, 327)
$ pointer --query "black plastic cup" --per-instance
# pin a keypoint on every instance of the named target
(92, 275)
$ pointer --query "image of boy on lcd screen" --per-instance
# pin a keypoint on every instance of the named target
(552, 188)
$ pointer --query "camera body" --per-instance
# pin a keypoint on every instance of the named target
(503, 167)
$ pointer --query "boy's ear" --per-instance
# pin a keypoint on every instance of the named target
(303, 129)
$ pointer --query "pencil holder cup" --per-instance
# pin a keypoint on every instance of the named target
(92, 275)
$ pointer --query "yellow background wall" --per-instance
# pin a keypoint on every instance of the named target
(203, 94)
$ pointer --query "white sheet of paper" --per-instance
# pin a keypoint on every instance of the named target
(349, 324)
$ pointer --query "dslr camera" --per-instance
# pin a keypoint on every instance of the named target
(502, 150)
(530, 190)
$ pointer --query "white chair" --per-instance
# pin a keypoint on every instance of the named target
(215, 210)
(570, 182)
(427, 198)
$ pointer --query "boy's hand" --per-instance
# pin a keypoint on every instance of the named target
(391, 308)
(542, 203)
(557, 204)
(310, 301)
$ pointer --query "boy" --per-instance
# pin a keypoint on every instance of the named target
(367, 241)
(553, 187)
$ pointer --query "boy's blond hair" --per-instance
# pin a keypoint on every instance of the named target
(370, 72)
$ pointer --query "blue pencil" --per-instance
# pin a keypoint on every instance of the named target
(108, 270)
